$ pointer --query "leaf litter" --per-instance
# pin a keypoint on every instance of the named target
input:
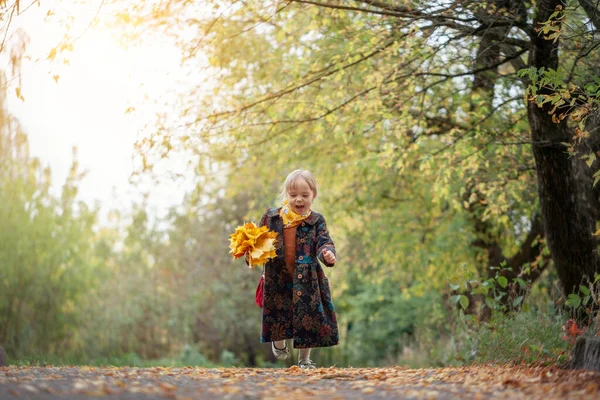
(472, 382)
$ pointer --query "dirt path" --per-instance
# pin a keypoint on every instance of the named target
(293, 383)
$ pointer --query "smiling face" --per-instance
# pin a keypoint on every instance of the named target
(300, 196)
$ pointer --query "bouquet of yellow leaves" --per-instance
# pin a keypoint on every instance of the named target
(259, 243)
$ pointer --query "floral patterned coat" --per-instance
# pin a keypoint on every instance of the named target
(299, 307)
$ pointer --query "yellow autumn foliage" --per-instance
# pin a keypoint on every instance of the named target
(259, 243)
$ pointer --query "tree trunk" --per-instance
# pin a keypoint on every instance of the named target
(586, 354)
(565, 192)
(487, 58)
(3, 361)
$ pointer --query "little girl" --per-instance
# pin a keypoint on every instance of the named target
(297, 301)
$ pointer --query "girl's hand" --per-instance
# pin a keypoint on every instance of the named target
(329, 257)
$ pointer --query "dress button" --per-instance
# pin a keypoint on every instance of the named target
(303, 224)
(299, 293)
(299, 276)
(300, 258)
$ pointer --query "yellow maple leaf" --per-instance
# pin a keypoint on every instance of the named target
(258, 242)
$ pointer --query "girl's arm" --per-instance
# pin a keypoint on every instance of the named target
(324, 242)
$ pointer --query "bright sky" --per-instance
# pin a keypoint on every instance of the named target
(86, 108)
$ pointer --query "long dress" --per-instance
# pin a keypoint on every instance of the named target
(297, 300)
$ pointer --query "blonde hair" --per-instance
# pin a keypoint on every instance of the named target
(292, 178)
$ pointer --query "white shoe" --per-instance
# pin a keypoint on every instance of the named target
(307, 364)
(280, 354)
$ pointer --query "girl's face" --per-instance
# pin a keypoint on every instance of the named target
(300, 197)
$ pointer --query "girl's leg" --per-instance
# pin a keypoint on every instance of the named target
(304, 360)
(304, 354)
(280, 344)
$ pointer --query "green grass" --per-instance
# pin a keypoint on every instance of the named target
(527, 337)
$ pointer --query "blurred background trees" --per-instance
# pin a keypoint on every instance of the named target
(439, 133)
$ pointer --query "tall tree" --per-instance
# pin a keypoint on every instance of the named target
(45, 244)
(385, 90)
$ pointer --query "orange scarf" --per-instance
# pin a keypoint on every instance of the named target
(290, 218)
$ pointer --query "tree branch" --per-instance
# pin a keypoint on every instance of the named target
(592, 12)
(349, 8)
(294, 88)
(436, 19)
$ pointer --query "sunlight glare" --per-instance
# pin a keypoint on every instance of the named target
(83, 103)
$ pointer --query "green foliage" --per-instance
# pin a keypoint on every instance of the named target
(45, 250)
(514, 321)
(526, 337)
(175, 287)
(193, 357)
(228, 359)
(388, 318)
(342, 94)
(583, 304)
